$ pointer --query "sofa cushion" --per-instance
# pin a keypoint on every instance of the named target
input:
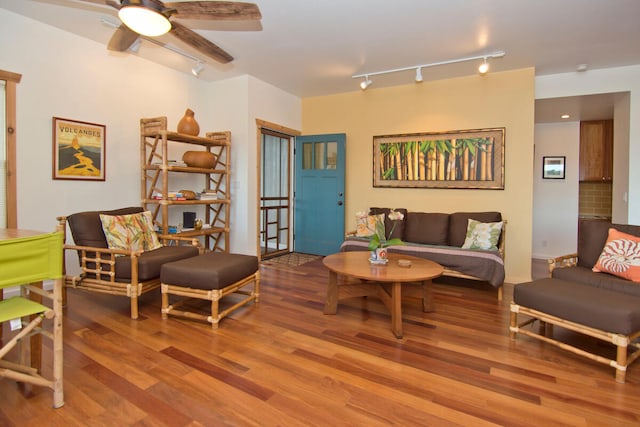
(620, 256)
(366, 224)
(150, 262)
(592, 237)
(86, 227)
(482, 235)
(399, 230)
(587, 277)
(586, 305)
(426, 228)
(132, 232)
(458, 223)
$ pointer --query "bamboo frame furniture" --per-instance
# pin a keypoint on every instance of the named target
(157, 171)
(577, 315)
(28, 258)
(383, 281)
(105, 270)
(209, 277)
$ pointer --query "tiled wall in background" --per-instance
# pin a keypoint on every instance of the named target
(595, 199)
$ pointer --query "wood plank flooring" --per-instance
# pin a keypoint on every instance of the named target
(282, 362)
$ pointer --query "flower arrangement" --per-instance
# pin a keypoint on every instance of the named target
(379, 240)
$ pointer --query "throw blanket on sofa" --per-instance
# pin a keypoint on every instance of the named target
(485, 265)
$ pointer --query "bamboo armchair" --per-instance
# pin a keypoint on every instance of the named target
(117, 271)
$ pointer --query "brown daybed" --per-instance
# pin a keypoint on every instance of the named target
(439, 237)
(575, 297)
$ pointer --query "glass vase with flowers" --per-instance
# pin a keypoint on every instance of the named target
(379, 241)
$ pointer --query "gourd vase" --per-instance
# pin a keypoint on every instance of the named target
(188, 124)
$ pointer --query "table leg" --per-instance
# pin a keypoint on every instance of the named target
(331, 303)
(427, 296)
(396, 309)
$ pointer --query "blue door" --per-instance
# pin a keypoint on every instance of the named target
(319, 194)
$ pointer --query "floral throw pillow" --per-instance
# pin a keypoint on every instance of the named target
(366, 224)
(482, 235)
(130, 232)
(620, 256)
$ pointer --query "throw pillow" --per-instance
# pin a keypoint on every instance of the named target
(482, 235)
(620, 256)
(366, 224)
(130, 232)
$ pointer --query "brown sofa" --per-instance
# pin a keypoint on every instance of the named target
(574, 297)
(439, 237)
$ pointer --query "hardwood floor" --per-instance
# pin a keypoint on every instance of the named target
(282, 362)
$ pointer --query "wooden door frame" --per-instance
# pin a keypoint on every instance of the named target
(260, 125)
(12, 80)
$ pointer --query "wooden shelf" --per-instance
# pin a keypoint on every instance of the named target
(155, 169)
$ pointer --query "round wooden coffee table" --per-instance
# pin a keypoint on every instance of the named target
(385, 281)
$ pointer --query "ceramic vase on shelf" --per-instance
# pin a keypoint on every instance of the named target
(188, 124)
(379, 256)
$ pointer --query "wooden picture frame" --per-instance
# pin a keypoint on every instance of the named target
(463, 159)
(553, 167)
(78, 150)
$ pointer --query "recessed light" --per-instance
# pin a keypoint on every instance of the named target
(582, 67)
(565, 116)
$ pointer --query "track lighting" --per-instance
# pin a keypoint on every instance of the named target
(365, 83)
(144, 17)
(197, 69)
(484, 67)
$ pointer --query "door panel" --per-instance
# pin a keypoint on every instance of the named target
(319, 193)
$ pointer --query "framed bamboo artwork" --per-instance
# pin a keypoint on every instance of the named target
(472, 159)
(78, 150)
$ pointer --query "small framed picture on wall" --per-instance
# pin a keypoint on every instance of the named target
(553, 167)
(78, 150)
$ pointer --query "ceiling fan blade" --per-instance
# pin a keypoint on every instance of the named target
(113, 3)
(200, 43)
(216, 10)
(122, 39)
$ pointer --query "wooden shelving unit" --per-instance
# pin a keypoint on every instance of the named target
(156, 172)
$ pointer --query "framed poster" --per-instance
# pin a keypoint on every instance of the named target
(471, 159)
(78, 150)
(553, 167)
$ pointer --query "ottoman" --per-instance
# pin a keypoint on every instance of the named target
(210, 277)
(602, 313)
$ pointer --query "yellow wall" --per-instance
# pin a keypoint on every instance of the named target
(496, 100)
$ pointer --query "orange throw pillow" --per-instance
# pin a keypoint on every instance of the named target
(620, 256)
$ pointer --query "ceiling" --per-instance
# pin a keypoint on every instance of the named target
(312, 48)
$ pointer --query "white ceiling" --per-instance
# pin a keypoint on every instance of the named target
(311, 48)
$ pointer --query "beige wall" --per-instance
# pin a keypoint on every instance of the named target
(495, 100)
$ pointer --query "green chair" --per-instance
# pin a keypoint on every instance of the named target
(26, 259)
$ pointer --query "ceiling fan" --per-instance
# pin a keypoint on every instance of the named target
(133, 13)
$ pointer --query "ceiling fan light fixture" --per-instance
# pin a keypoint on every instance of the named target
(144, 17)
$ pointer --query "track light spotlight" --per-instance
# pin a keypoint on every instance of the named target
(135, 46)
(484, 67)
(419, 75)
(365, 83)
(197, 69)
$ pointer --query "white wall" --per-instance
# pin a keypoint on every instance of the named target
(555, 201)
(76, 78)
(622, 79)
